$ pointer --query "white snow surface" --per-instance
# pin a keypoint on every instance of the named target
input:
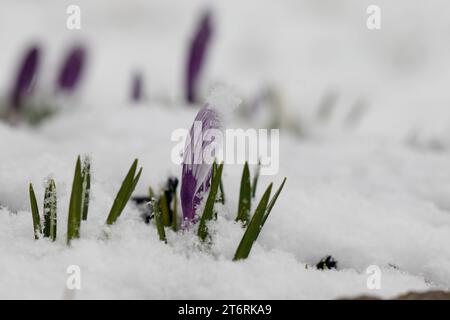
(374, 194)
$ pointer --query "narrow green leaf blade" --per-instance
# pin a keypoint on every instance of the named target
(272, 202)
(222, 193)
(124, 194)
(47, 211)
(255, 178)
(86, 178)
(131, 190)
(35, 213)
(244, 196)
(135, 182)
(174, 212)
(74, 219)
(158, 221)
(50, 209)
(118, 204)
(208, 212)
(165, 215)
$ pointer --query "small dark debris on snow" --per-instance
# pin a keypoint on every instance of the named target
(327, 263)
(393, 266)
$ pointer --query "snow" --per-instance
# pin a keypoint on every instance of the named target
(371, 194)
(224, 99)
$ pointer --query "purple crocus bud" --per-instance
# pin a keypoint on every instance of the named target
(72, 70)
(196, 172)
(203, 145)
(136, 87)
(196, 57)
(26, 77)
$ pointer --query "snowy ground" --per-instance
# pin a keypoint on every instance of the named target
(368, 195)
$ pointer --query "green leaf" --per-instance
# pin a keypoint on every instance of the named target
(258, 220)
(164, 209)
(135, 182)
(35, 213)
(174, 212)
(255, 178)
(208, 212)
(50, 206)
(253, 228)
(158, 221)
(244, 196)
(151, 194)
(222, 193)
(124, 194)
(74, 219)
(86, 178)
(272, 202)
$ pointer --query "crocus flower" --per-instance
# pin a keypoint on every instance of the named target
(196, 57)
(196, 173)
(25, 77)
(136, 87)
(72, 70)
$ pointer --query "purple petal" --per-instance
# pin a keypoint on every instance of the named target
(136, 87)
(72, 70)
(196, 57)
(196, 173)
(26, 76)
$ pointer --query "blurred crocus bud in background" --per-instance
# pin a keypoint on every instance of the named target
(136, 87)
(26, 77)
(196, 56)
(72, 70)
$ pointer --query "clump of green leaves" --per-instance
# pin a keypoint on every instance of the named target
(162, 207)
(38, 110)
(167, 204)
(124, 194)
(79, 201)
(258, 220)
(49, 211)
(162, 215)
(253, 228)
